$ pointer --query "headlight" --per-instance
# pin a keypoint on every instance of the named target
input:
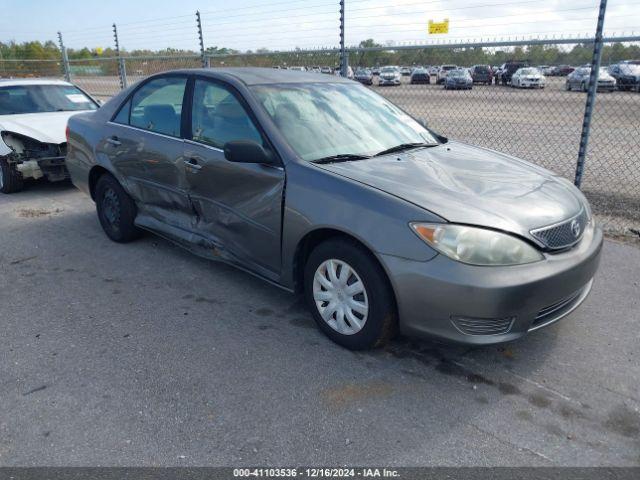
(476, 246)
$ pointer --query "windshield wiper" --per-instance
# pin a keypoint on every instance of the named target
(404, 146)
(341, 157)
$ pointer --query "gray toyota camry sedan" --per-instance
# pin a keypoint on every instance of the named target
(320, 186)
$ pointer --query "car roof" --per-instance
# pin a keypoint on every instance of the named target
(261, 76)
(11, 82)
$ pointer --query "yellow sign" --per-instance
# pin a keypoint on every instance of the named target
(439, 27)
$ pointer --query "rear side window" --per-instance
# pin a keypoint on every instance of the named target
(156, 106)
(218, 116)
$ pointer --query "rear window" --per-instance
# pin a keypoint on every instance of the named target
(19, 99)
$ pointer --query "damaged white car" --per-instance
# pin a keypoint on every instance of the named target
(33, 120)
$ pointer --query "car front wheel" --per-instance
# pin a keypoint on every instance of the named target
(10, 178)
(349, 295)
(116, 210)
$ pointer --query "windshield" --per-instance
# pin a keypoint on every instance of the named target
(630, 69)
(324, 119)
(18, 99)
(458, 73)
(529, 71)
(389, 70)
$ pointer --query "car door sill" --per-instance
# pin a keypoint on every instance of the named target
(205, 248)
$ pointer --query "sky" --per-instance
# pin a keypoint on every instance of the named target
(286, 24)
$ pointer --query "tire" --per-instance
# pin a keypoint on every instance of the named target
(379, 321)
(11, 180)
(116, 210)
(567, 86)
(583, 87)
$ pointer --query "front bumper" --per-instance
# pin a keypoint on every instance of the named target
(476, 305)
(531, 84)
(389, 81)
(459, 86)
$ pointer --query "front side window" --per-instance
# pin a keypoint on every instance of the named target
(218, 116)
(324, 119)
(157, 106)
(18, 99)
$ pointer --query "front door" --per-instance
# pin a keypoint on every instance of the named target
(146, 148)
(238, 205)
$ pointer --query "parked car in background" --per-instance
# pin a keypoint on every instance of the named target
(326, 70)
(627, 76)
(459, 79)
(579, 80)
(405, 71)
(375, 71)
(481, 74)
(443, 71)
(297, 69)
(508, 69)
(364, 76)
(546, 70)
(389, 76)
(420, 75)
(33, 119)
(433, 70)
(528, 77)
(383, 225)
(561, 70)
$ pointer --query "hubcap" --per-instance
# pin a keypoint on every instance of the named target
(111, 208)
(340, 296)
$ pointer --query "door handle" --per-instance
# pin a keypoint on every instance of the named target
(114, 141)
(192, 163)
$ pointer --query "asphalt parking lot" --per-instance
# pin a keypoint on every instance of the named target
(142, 354)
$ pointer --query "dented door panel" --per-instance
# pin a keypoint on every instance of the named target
(238, 206)
(154, 169)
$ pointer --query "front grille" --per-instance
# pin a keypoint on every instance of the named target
(483, 326)
(559, 309)
(562, 235)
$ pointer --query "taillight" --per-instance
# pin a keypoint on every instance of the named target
(66, 133)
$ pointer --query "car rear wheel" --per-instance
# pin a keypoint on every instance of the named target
(583, 87)
(116, 210)
(11, 180)
(349, 295)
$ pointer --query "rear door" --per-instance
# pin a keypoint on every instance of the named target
(145, 146)
(238, 205)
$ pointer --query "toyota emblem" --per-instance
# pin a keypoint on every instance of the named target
(575, 228)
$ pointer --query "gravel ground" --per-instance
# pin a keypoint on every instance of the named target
(143, 354)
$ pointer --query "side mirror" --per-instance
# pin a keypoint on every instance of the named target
(247, 151)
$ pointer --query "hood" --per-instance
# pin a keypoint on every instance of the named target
(470, 185)
(45, 127)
